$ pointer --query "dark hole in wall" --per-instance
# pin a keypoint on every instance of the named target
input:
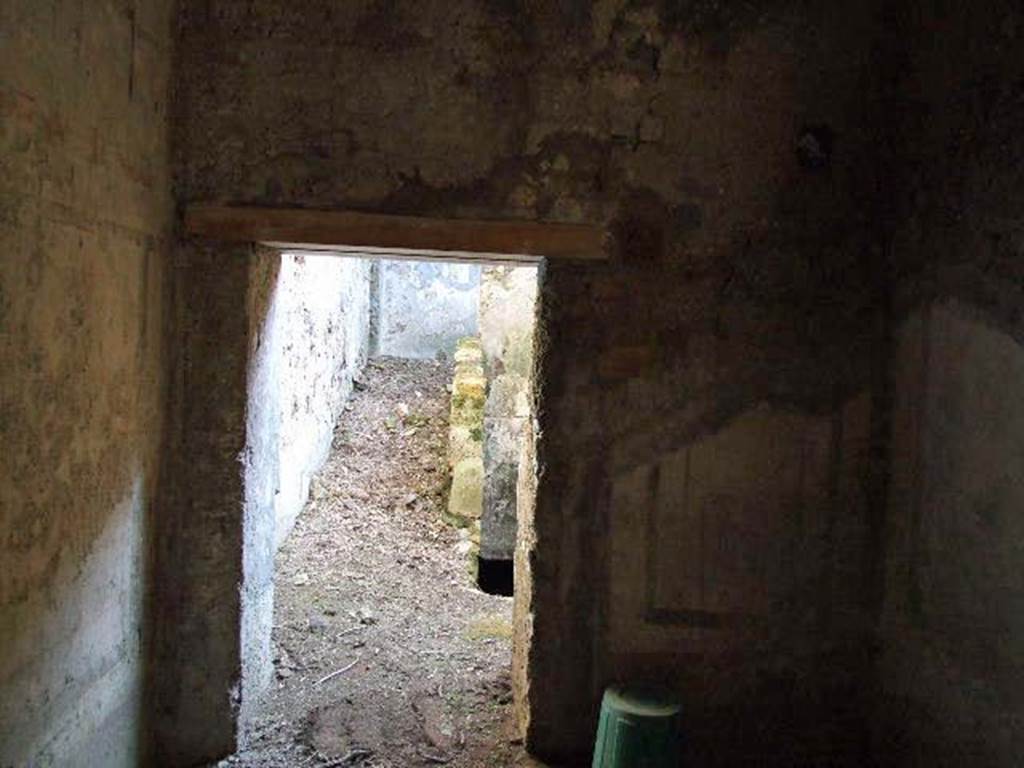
(495, 577)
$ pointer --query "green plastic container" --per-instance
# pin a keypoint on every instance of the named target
(637, 729)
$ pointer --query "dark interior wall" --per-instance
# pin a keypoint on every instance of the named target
(195, 686)
(85, 228)
(733, 150)
(951, 680)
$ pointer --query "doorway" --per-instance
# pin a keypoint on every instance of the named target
(212, 654)
(402, 392)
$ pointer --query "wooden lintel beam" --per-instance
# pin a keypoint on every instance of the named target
(305, 229)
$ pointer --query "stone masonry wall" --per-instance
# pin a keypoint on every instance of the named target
(425, 307)
(465, 435)
(724, 369)
(508, 298)
(86, 222)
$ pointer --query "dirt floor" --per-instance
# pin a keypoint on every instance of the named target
(385, 653)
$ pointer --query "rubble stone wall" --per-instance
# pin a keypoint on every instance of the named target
(465, 441)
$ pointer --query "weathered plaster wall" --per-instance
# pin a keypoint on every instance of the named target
(320, 325)
(950, 681)
(508, 298)
(85, 225)
(734, 153)
(425, 307)
(308, 336)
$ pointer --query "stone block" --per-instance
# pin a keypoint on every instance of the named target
(464, 442)
(469, 385)
(469, 391)
(466, 499)
(469, 350)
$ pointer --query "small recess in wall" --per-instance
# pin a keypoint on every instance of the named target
(495, 577)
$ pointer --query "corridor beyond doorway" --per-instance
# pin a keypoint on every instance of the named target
(384, 653)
